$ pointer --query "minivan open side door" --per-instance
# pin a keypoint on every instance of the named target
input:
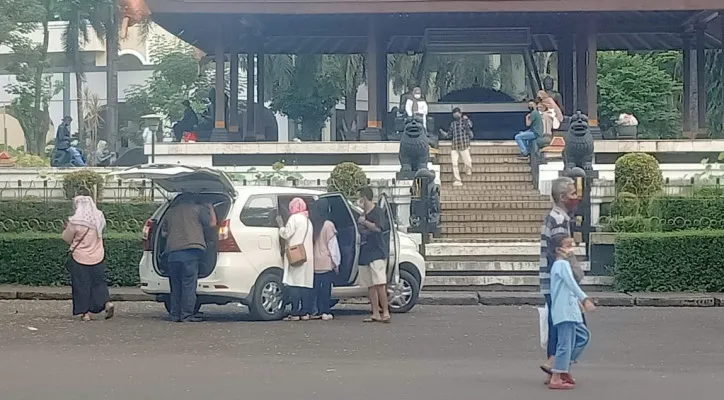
(338, 202)
(392, 238)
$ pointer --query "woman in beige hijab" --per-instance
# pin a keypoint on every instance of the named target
(552, 107)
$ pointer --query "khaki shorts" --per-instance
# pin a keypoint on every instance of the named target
(373, 274)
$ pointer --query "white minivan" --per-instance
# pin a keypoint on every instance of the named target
(244, 258)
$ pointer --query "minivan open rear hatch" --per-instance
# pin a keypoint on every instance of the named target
(181, 179)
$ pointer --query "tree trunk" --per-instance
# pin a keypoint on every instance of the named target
(79, 108)
(111, 123)
(40, 131)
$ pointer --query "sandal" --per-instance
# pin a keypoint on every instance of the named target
(567, 378)
(110, 310)
(85, 318)
(546, 368)
(371, 319)
(291, 318)
(560, 386)
(386, 320)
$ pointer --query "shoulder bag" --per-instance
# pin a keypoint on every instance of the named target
(297, 254)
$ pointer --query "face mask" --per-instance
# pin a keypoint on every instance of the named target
(417, 96)
(456, 116)
(572, 204)
(531, 108)
(360, 203)
(567, 253)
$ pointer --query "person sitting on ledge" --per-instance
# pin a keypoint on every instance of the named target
(534, 122)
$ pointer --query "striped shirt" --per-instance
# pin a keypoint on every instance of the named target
(556, 222)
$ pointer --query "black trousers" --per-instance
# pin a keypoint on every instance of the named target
(183, 279)
(302, 299)
(90, 289)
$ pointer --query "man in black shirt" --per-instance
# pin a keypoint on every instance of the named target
(373, 256)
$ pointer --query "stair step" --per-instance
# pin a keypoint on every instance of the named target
(445, 148)
(464, 217)
(492, 237)
(491, 228)
(491, 177)
(503, 280)
(482, 267)
(477, 196)
(443, 159)
(489, 169)
(495, 205)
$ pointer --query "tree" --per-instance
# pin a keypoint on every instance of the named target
(81, 16)
(632, 83)
(349, 69)
(175, 78)
(715, 92)
(17, 18)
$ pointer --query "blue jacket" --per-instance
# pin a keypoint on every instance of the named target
(565, 294)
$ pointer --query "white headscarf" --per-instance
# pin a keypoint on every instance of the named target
(87, 214)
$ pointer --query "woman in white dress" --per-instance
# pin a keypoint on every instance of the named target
(299, 279)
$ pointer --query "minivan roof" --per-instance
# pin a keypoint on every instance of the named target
(252, 190)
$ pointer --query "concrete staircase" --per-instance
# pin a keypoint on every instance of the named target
(497, 202)
(490, 234)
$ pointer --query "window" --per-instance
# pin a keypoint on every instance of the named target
(260, 211)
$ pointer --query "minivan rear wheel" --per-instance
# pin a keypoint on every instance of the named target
(268, 298)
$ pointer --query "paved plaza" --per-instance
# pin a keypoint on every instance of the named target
(433, 353)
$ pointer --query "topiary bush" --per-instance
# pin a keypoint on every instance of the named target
(86, 182)
(634, 223)
(638, 174)
(673, 213)
(689, 261)
(47, 216)
(38, 259)
(347, 178)
(626, 204)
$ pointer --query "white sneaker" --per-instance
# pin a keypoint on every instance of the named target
(457, 183)
(327, 317)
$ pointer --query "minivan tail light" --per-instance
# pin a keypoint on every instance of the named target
(147, 235)
(227, 243)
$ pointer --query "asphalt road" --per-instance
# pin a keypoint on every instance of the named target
(433, 353)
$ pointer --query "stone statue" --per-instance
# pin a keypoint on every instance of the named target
(417, 209)
(578, 151)
(414, 146)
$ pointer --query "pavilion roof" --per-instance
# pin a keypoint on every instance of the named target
(347, 33)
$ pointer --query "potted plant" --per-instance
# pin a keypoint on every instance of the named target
(627, 126)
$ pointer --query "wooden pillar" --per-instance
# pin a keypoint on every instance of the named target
(234, 89)
(581, 70)
(382, 83)
(249, 134)
(688, 94)
(259, 115)
(66, 97)
(374, 53)
(219, 134)
(701, 81)
(565, 72)
(591, 74)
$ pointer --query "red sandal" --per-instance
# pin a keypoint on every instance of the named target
(560, 386)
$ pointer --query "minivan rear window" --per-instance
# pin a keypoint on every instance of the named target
(260, 212)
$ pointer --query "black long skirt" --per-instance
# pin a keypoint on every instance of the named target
(90, 289)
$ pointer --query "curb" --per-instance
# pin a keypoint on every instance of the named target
(453, 298)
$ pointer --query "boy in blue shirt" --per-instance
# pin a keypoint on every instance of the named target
(566, 300)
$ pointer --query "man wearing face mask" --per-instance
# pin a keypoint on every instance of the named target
(460, 133)
(417, 106)
(558, 221)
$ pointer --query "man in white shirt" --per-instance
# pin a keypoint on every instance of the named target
(147, 135)
(417, 106)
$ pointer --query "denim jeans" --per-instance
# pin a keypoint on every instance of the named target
(552, 334)
(323, 291)
(302, 299)
(75, 157)
(523, 140)
(573, 338)
(183, 278)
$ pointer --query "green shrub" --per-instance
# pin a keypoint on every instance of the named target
(625, 204)
(347, 178)
(689, 261)
(673, 213)
(38, 216)
(716, 191)
(38, 259)
(635, 223)
(639, 174)
(84, 181)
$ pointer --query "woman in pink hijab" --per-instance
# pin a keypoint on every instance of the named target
(299, 278)
(84, 234)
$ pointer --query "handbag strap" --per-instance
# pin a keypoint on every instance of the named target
(304, 239)
(71, 251)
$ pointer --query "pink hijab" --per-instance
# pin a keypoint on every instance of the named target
(298, 206)
(87, 214)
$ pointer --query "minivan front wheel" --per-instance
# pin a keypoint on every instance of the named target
(268, 298)
(403, 297)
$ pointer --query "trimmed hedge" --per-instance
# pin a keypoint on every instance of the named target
(635, 223)
(671, 213)
(689, 261)
(50, 216)
(38, 259)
